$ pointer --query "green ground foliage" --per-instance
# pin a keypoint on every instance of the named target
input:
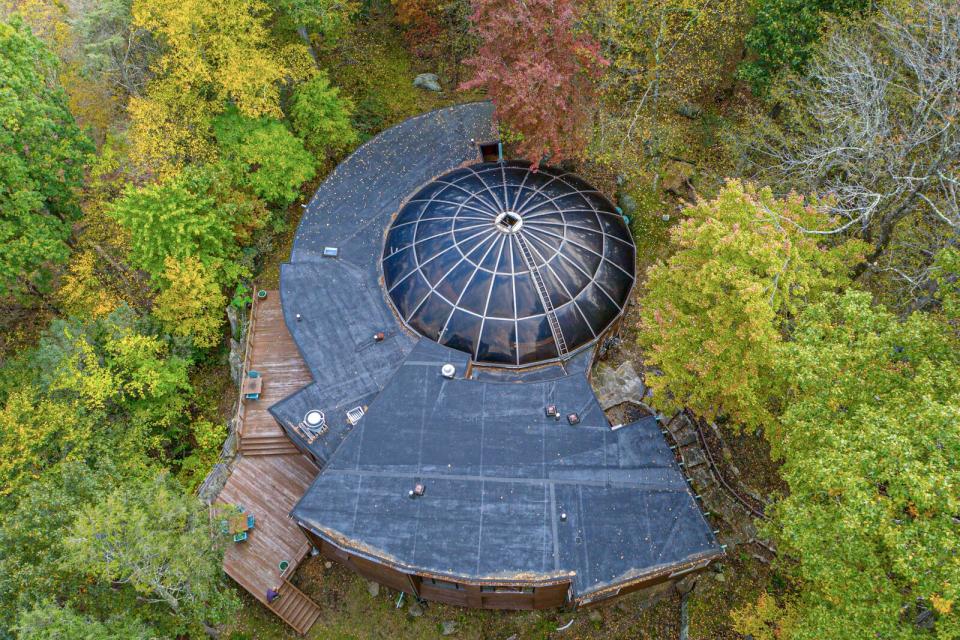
(154, 157)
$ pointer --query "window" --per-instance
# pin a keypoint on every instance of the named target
(507, 589)
(443, 584)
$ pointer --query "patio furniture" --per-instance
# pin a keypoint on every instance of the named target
(252, 386)
(240, 537)
(251, 521)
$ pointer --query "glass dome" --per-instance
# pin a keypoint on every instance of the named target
(512, 266)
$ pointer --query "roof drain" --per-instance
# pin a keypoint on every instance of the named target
(544, 296)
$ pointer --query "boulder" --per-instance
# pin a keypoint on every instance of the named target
(414, 610)
(428, 81)
(373, 588)
(677, 177)
(236, 361)
(615, 386)
(690, 110)
(448, 627)
(627, 203)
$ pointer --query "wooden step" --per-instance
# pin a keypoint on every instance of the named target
(278, 450)
(295, 608)
(267, 445)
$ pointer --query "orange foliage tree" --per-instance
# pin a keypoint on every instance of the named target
(539, 68)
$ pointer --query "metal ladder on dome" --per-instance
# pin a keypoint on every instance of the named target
(544, 295)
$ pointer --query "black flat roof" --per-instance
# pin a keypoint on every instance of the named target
(498, 474)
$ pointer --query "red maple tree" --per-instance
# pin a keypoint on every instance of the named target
(538, 67)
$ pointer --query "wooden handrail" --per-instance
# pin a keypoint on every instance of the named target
(251, 327)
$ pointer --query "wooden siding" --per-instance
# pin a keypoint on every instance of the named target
(271, 352)
(464, 595)
(268, 487)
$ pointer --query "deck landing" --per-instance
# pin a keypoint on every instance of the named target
(267, 487)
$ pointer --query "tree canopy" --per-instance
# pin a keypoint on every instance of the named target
(42, 157)
(871, 449)
(715, 310)
(538, 66)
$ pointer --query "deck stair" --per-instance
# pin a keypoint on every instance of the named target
(544, 295)
(295, 608)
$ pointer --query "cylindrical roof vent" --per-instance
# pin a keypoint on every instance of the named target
(448, 371)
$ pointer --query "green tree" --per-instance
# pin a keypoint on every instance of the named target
(177, 218)
(263, 156)
(161, 544)
(871, 453)
(32, 528)
(322, 117)
(785, 33)
(716, 309)
(48, 621)
(42, 155)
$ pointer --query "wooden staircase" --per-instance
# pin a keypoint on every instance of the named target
(267, 445)
(271, 352)
(295, 608)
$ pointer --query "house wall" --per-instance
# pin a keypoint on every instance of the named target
(489, 596)
(502, 596)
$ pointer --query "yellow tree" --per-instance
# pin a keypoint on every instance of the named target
(191, 303)
(664, 55)
(214, 52)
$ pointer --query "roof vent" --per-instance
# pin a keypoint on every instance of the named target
(379, 336)
(552, 411)
(354, 415)
(573, 418)
(448, 371)
(418, 490)
(330, 252)
(314, 420)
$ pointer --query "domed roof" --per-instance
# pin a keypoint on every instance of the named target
(510, 265)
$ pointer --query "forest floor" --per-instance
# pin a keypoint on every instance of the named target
(377, 71)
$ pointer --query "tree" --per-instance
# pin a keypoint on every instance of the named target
(263, 156)
(665, 56)
(33, 438)
(873, 128)
(123, 377)
(714, 312)
(322, 117)
(946, 276)
(113, 47)
(191, 304)
(784, 34)
(177, 218)
(161, 544)
(48, 621)
(538, 68)
(216, 52)
(328, 19)
(31, 535)
(42, 155)
(871, 453)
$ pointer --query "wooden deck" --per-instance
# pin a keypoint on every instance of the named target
(270, 474)
(267, 487)
(273, 354)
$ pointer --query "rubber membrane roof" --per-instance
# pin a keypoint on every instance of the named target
(511, 494)
(510, 265)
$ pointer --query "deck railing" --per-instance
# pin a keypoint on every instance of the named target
(241, 405)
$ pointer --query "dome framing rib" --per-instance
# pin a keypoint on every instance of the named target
(513, 266)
